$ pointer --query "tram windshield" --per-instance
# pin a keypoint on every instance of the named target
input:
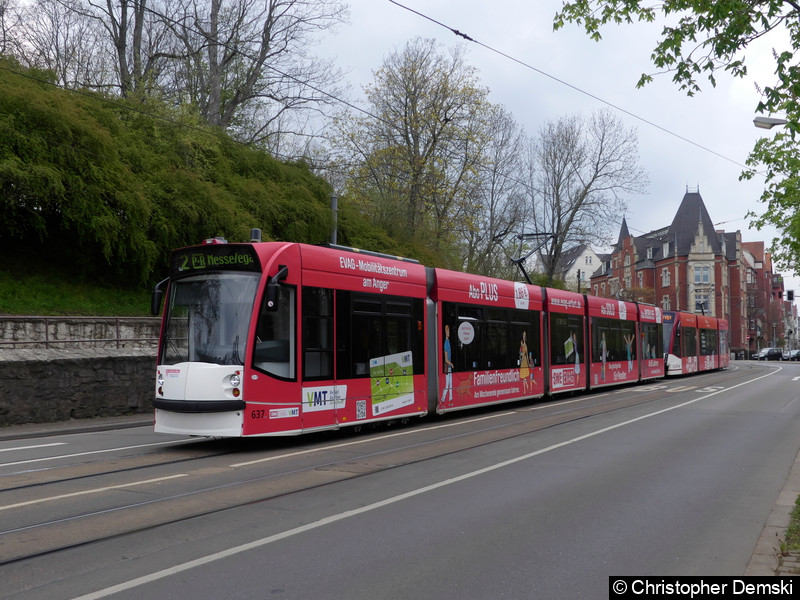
(669, 331)
(207, 318)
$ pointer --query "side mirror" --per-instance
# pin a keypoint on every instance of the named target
(157, 298)
(271, 298)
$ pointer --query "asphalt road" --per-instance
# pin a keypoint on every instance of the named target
(542, 500)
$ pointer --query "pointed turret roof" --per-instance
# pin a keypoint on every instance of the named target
(624, 234)
(691, 213)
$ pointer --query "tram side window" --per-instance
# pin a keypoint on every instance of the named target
(274, 347)
(467, 341)
(566, 339)
(490, 338)
(708, 342)
(652, 341)
(616, 338)
(368, 341)
(372, 327)
(497, 340)
(524, 325)
(689, 341)
(317, 333)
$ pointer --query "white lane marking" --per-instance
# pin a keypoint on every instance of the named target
(33, 460)
(363, 441)
(30, 447)
(409, 432)
(563, 402)
(145, 579)
(94, 491)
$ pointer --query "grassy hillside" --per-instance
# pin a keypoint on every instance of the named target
(25, 290)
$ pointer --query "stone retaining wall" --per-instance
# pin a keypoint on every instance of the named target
(44, 386)
(78, 332)
(59, 368)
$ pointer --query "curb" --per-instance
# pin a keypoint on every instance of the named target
(74, 426)
(767, 559)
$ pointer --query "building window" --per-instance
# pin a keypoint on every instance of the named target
(640, 277)
(595, 289)
(701, 274)
(665, 304)
(649, 254)
(664, 277)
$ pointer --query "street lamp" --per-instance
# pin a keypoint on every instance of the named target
(768, 122)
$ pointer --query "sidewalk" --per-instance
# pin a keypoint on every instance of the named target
(767, 559)
(30, 430)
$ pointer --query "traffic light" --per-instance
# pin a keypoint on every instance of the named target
(790, 295)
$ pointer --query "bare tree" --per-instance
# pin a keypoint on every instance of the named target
(98, 44)
(10, 18)
(415, 153)
(248, 62)
(498, 207)
(246, 65)
(55, 37)
(580, 169)
(141, 41)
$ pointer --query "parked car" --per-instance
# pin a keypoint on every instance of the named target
(793, 355)
(769, 354)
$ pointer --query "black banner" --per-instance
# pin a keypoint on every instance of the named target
(702, 588)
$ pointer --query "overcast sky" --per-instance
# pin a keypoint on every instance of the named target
(720, 119)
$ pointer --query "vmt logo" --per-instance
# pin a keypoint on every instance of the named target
(324, 398)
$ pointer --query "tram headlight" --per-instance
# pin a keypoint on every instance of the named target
(235, 380)
(160, 379)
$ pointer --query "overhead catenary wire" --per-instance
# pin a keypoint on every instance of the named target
(566, 83)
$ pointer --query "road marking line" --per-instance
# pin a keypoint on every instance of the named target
(145, 579)
(94, 491)
(364, 441)
(409, 432)
(33, 460)
(31, 447)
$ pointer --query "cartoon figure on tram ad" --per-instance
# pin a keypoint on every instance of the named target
(525, 362)
(629, 349)
(570, 348)
(447, 393)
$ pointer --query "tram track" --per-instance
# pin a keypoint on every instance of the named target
(289, 471)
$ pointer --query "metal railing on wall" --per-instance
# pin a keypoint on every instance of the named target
(24, 332)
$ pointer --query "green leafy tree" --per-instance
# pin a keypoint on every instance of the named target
(701, 38)
(414, 155)
(104, 192)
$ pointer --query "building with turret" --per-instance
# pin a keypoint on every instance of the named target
(691, 266)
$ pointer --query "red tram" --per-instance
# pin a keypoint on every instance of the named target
(281, 339)
(694, 343)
